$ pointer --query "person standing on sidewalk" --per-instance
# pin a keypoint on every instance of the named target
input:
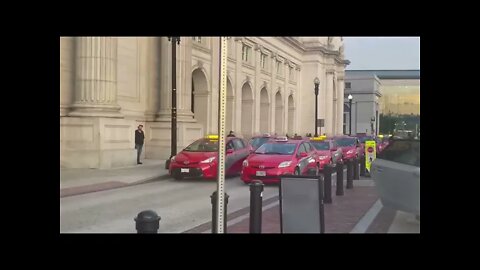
(139, 138)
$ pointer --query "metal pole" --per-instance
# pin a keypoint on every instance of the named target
(222, 100)
(316, 110)
(350, 118)
(256, 190)
(173, 151)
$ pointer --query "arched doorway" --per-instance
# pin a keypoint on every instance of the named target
(278, 113)
(247, 110)
(230, 106)
(264, 111)
(291, 113)
(200, 97)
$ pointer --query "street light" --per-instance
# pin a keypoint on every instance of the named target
(174, 99)
(372, 121)
(316, 81)
(350, 98)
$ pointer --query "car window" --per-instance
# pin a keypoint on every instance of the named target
(402, 151)
(302, 149)
(257, 142)
(346, 142)
(203, 145)
(276, 149)
(321, 145)
(238, 144)
(312, 148)
(230, 145)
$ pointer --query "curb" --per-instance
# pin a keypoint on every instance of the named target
(113, 185)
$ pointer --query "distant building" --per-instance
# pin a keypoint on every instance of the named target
(374, 92)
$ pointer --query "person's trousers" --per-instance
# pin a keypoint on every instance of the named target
(139, 151)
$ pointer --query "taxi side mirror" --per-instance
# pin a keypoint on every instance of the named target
(230, 151)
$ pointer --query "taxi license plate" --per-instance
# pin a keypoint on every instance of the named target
(261, 173)
(184, 170)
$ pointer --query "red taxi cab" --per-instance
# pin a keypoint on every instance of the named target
(199, 159)
(327, 151)
(278, 157)
(351, 147)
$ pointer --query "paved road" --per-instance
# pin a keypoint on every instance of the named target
(182, 205)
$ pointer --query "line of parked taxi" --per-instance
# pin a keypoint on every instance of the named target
(265, 157)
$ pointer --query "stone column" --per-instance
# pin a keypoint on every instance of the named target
(329, 102)
(153, 82)
(273, 92)
(237, 124)
(96, 78)
(340, 103)
(67, 75)
(256, 92)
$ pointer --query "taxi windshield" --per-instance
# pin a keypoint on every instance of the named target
(321, 145)
(346, 142)
(257, 142)
(276, 149)
(366, 138)
(203, 145)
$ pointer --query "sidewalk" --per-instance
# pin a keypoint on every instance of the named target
(80, 181)
(354, 212)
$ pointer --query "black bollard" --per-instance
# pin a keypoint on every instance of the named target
(327, 178)
(256, 189)
(356, 170)
(349, 174)
(321, 198)
(362, 166)
(147, 222)
(214, 198)
(339, 191)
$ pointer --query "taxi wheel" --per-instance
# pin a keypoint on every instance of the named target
(297, 171)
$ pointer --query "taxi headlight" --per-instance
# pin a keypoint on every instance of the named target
(245, 163)
(350, 151)
(172, 159)
(322, 157)
(208, 160)
(284, 164)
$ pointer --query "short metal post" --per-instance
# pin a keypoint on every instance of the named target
(327, 178)
(147, 222)
(339, 191)
(356, 170)
(362, 166)
(349, 174)
(256, 197)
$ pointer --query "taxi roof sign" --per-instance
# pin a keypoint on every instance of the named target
(212, 137)
(319, 138)
(281, 139)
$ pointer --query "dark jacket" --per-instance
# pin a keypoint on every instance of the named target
(139, 137)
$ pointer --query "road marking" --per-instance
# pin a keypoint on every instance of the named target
(367, 219)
